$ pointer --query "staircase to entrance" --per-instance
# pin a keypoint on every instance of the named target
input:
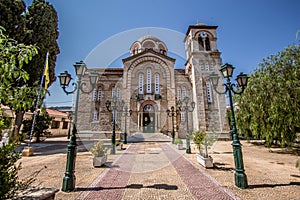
(148, 137)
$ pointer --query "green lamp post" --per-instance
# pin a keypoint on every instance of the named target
(242, 79)
(117, 106)
(171, 113)
(184, 106)
(126, 113)
(64, 79)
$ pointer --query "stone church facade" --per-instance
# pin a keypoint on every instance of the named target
(148, 84)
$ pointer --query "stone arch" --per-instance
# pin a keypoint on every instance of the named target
(148, 102)
(165, 69)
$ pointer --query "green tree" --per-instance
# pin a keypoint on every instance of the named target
(270, 106)
(42, 21)
(9, 170)
(38, 26)
(12, 58)
(42, 123)
(12, 18)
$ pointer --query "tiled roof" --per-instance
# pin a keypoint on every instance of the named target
(52, 112)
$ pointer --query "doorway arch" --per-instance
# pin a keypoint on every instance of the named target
(148, 118)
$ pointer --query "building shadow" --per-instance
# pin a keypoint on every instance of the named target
(131, 186)
(266, 185)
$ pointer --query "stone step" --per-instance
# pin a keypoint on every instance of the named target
(148, 137)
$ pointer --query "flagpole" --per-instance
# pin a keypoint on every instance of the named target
(37, 101)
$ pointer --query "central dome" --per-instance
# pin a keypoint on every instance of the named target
(148, 37)
(148, 42)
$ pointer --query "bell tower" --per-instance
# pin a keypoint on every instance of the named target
(203, 58)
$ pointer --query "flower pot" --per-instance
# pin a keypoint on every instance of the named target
(179, 146)
(205, 162)
(99, 161)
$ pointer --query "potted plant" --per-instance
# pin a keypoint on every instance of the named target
(179, 143)
(100, 153)
(203, 140)
(119, 145)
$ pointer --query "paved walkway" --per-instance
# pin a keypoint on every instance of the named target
(154, 171)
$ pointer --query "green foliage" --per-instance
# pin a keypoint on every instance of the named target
(5, 121)
(42, 123)
(36, 25)
(270, 105)
(202, 138)
(117, 143)
(12, 18)
(198, 138)
(178, 141)
(12, 58)
(9, 170)
(99, 150)
(42, 23)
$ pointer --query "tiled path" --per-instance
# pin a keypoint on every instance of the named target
(154, 171)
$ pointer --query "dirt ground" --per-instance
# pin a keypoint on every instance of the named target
(271, 172)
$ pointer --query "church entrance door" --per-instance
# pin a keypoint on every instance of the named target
(148, 119)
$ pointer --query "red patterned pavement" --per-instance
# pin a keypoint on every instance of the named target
(113, 182)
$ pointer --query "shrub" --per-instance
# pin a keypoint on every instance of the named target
(198, 138)
(99, 150)
(9, 170)
(178, 141)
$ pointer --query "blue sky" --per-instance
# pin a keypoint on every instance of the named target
(248, 30)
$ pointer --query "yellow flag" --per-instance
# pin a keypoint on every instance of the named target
(46, 72)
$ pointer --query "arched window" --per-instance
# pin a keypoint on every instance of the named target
(209, 92)
(157, 88)
(94, 95)
(148, 108)
(113, 92)
(178, 94)
(211, 67)
(182, 116)
(149, 89)
(183, 92)
(206, 66)
(95, 114)
(141, 83)
(99, 97)
(204, 42)
(118, 93)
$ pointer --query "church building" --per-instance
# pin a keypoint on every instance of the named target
(149, 85)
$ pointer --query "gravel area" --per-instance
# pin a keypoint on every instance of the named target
(271, 172)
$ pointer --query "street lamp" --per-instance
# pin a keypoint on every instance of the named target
(171, 113)
(126, 113)
(116, 105)
(186, 108)
(227, 71)
(64, 79)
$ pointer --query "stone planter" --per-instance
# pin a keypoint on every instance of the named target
(120, 146)
(179, 146)
(205, 162)
(99, 161)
